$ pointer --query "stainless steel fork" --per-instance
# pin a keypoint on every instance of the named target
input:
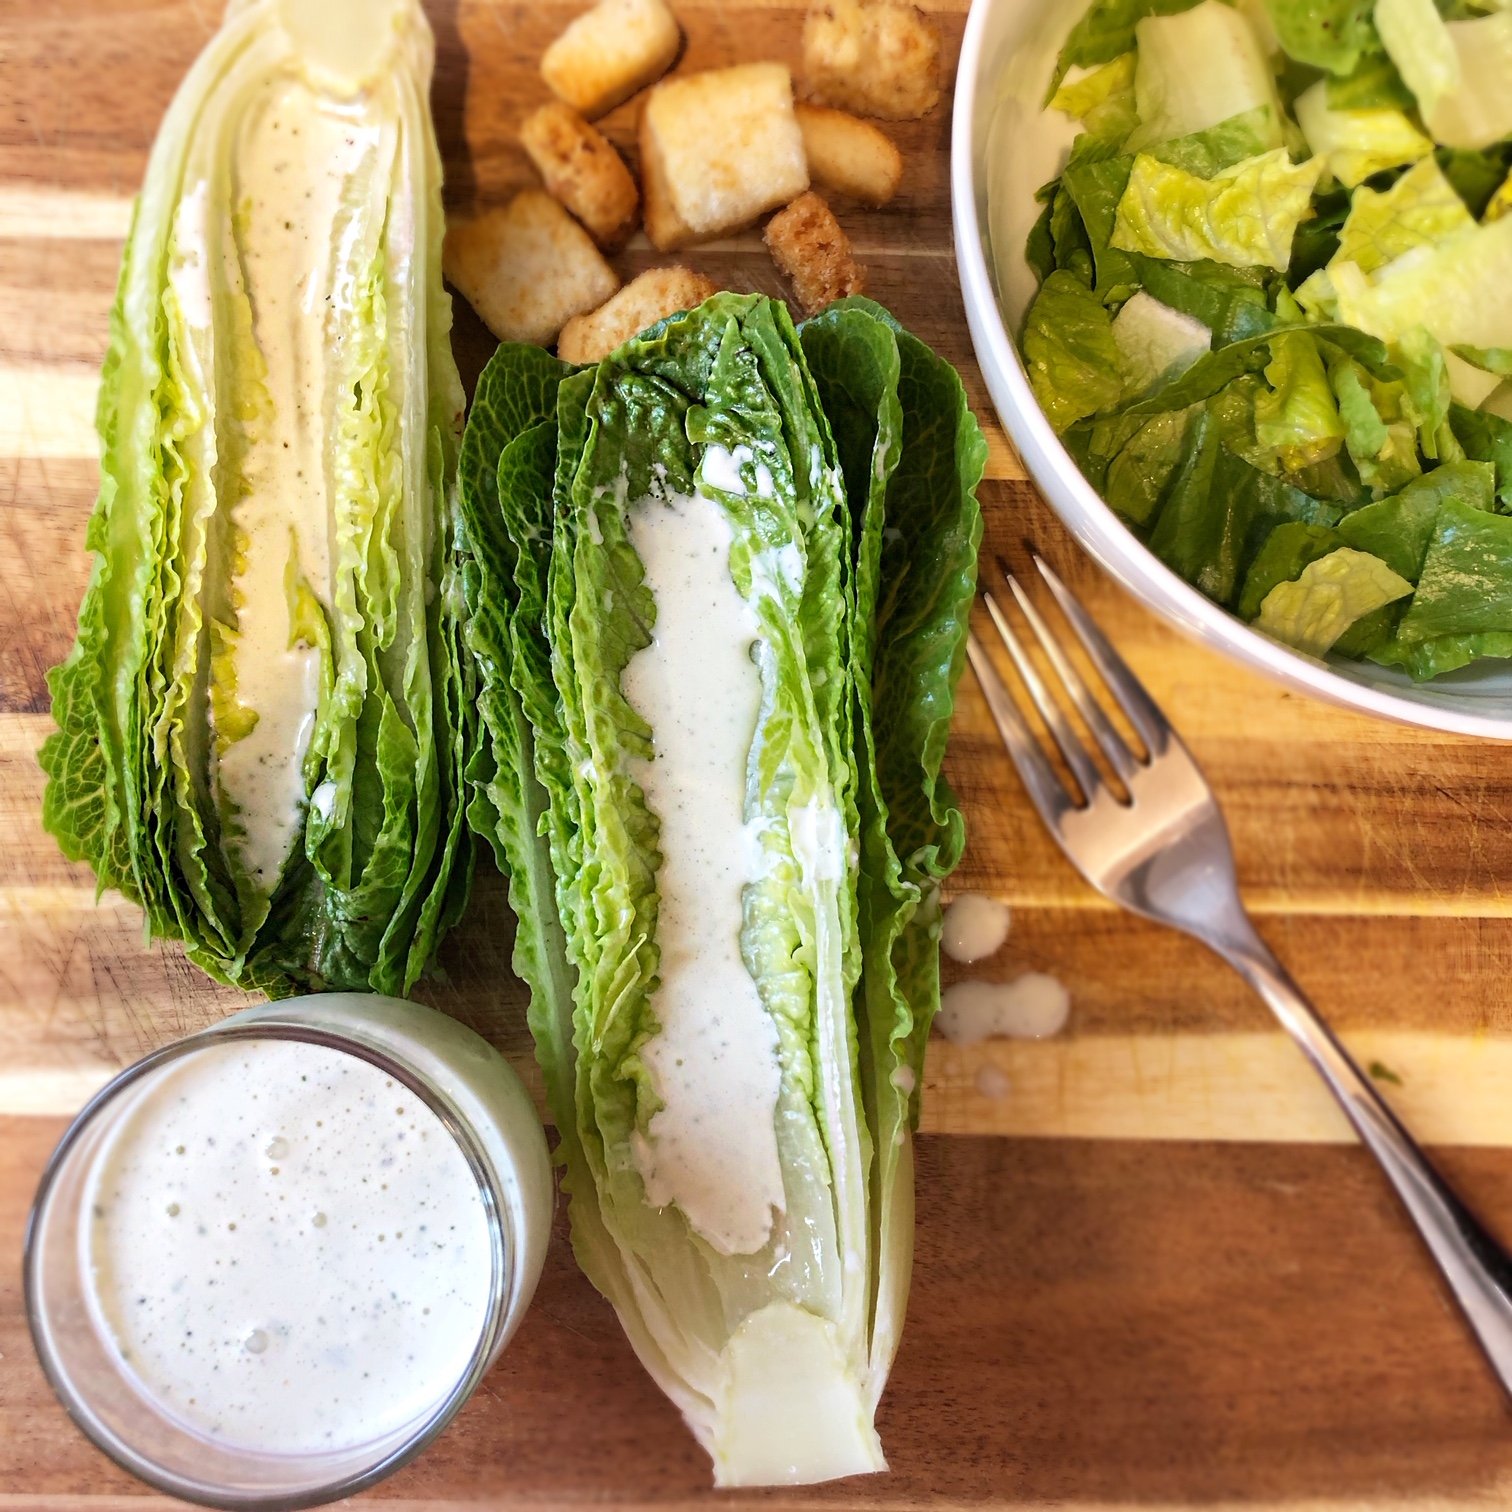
(1160, 848)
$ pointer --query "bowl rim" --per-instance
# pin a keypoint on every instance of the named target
(1115, 548)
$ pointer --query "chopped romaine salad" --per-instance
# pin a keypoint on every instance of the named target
(1274, 321)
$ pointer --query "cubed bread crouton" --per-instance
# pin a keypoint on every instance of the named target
(582, 169)
(665, 229)
(814, 254)
(876, 57)
(718, 150)
(608, 53)
(527, 269)
(643, 301)
(849, 156)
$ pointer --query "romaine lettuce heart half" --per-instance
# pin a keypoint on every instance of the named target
(718, 594)
(261, 726)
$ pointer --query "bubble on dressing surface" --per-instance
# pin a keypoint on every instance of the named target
(974, 927)
(1032, 1006)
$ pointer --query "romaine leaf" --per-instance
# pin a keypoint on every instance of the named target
(1220, 510)
(1156, 342)
(1426, 660)
(1466, 584)
(1139, 472)
(1460, 291)
(1398, 529)
(1358, 144)
(1457, 69)
(1073, 360)
(1230, 302)
(1418, 43)
(1485, 437)
(860, 594)
(1105, 32)
(917, 605)
(1245, 216)
(1500, 203)
(208, 631)
(1103, 101)
(1298, 418)
(1220, 367)
(1328, 34)
(1382, 439)
(1476, 176)
(1374, 84)
(1421, 209)
(1289, 548)
(1330, 596)
(1198, 68)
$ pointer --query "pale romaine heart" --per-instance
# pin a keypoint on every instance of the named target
(262, 725)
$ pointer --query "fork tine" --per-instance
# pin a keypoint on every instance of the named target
(1142, 710)
(1088, 778)
(1045, 788)
(1106, 733)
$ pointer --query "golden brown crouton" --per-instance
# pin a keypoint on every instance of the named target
(608, 53)
(665, 229)
(719, 149)
(849, 156)
(811, 250)
(527, 269)
(582, 169)
(643, 301)
(876, 57)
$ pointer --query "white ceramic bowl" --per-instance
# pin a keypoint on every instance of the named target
(1003, 147)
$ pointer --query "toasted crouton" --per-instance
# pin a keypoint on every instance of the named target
(665, 229)
(610, 52)
(719, 149)
(582, 169)
(814, 254)
(876, 57)
(643, 301)
(849, 156)
(527, 269)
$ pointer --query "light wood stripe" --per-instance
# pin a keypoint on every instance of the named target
(1223, 1088)
(1230, 1088)
(48, 412)
(32, 212)
(59, 898)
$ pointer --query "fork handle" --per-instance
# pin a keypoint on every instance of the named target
(1475, 1266)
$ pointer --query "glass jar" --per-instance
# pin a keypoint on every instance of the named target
(469, 1090)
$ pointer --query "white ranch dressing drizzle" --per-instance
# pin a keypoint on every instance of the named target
(712, 1147)
(299, 161)
(290, 1252)
(1032, 1006)
(974, 927)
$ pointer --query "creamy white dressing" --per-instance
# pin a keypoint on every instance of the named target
(974, 927)
(991, 1081)
(712, 1147)
(1032, 1006)
(290, 1252)
(301, 162)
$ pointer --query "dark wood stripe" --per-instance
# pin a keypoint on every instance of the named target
(1088, 1323)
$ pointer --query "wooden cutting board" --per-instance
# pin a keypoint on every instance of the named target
(1151, 1267)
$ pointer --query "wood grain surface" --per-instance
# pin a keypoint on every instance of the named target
(1151, 1267)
